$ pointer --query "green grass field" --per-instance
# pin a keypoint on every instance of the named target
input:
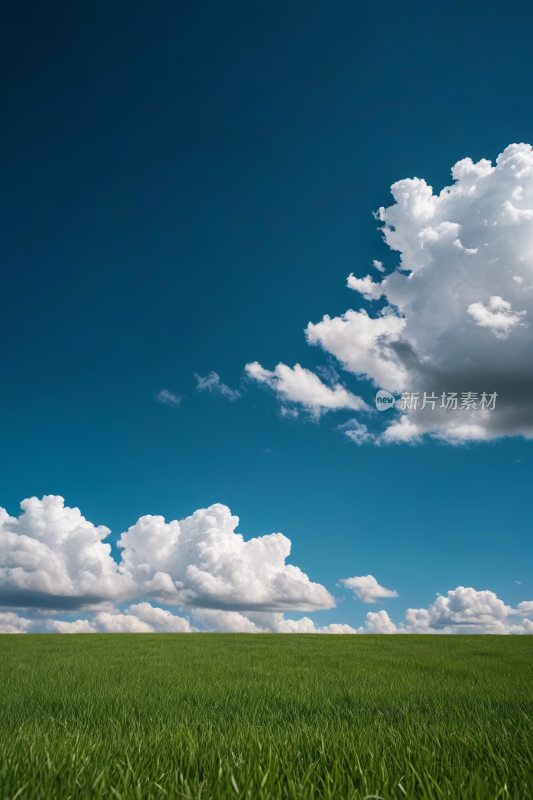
(266, 716)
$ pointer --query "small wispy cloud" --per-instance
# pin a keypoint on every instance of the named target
(367, 588)
(167, 397)
(297, 385)
(356, 431)
(329, 374)
(213, 384)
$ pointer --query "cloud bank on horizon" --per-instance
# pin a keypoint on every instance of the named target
(455, 314)
(54, 562)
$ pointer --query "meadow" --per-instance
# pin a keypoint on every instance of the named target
(265, 716)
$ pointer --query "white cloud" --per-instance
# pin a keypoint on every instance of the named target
(167, 397)
(226, 621)
(102, 622)
(367, 588)
(202, 562)
(525, 608)
(455, 311)
(54, 551)
(462, 610)
(212, 383)
(299, 385)
(277, 623)
(145, 618)
(526, 628)
(52, 557)
(379, 266)
(61, 626)
(159, 619)
(329, 373)
(141, 618)
(13, 623)
(516, 216)
(306, 625)
(367, 287)
(290, 413)
(378, 622)
(356, 431)
(336, 628)
(120, 623)
(362, 344)
(402, 430)
(497, 316)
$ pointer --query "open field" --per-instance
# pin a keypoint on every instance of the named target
(266, 716)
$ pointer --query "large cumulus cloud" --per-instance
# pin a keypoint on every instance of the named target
(52, 558)
(456, 314)
(458, 308)
(202, 562)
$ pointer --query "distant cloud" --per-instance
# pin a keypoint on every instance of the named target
(167, 397)
(462, 610)
(301, 386)
(306, 625)
(526, 628)
(367, 588)
(378, 622)
(213, 384)
(54, 562)
(143, 618)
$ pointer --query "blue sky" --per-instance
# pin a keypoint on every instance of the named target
(183, 190)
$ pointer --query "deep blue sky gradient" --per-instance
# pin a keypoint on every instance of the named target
(183, 187)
